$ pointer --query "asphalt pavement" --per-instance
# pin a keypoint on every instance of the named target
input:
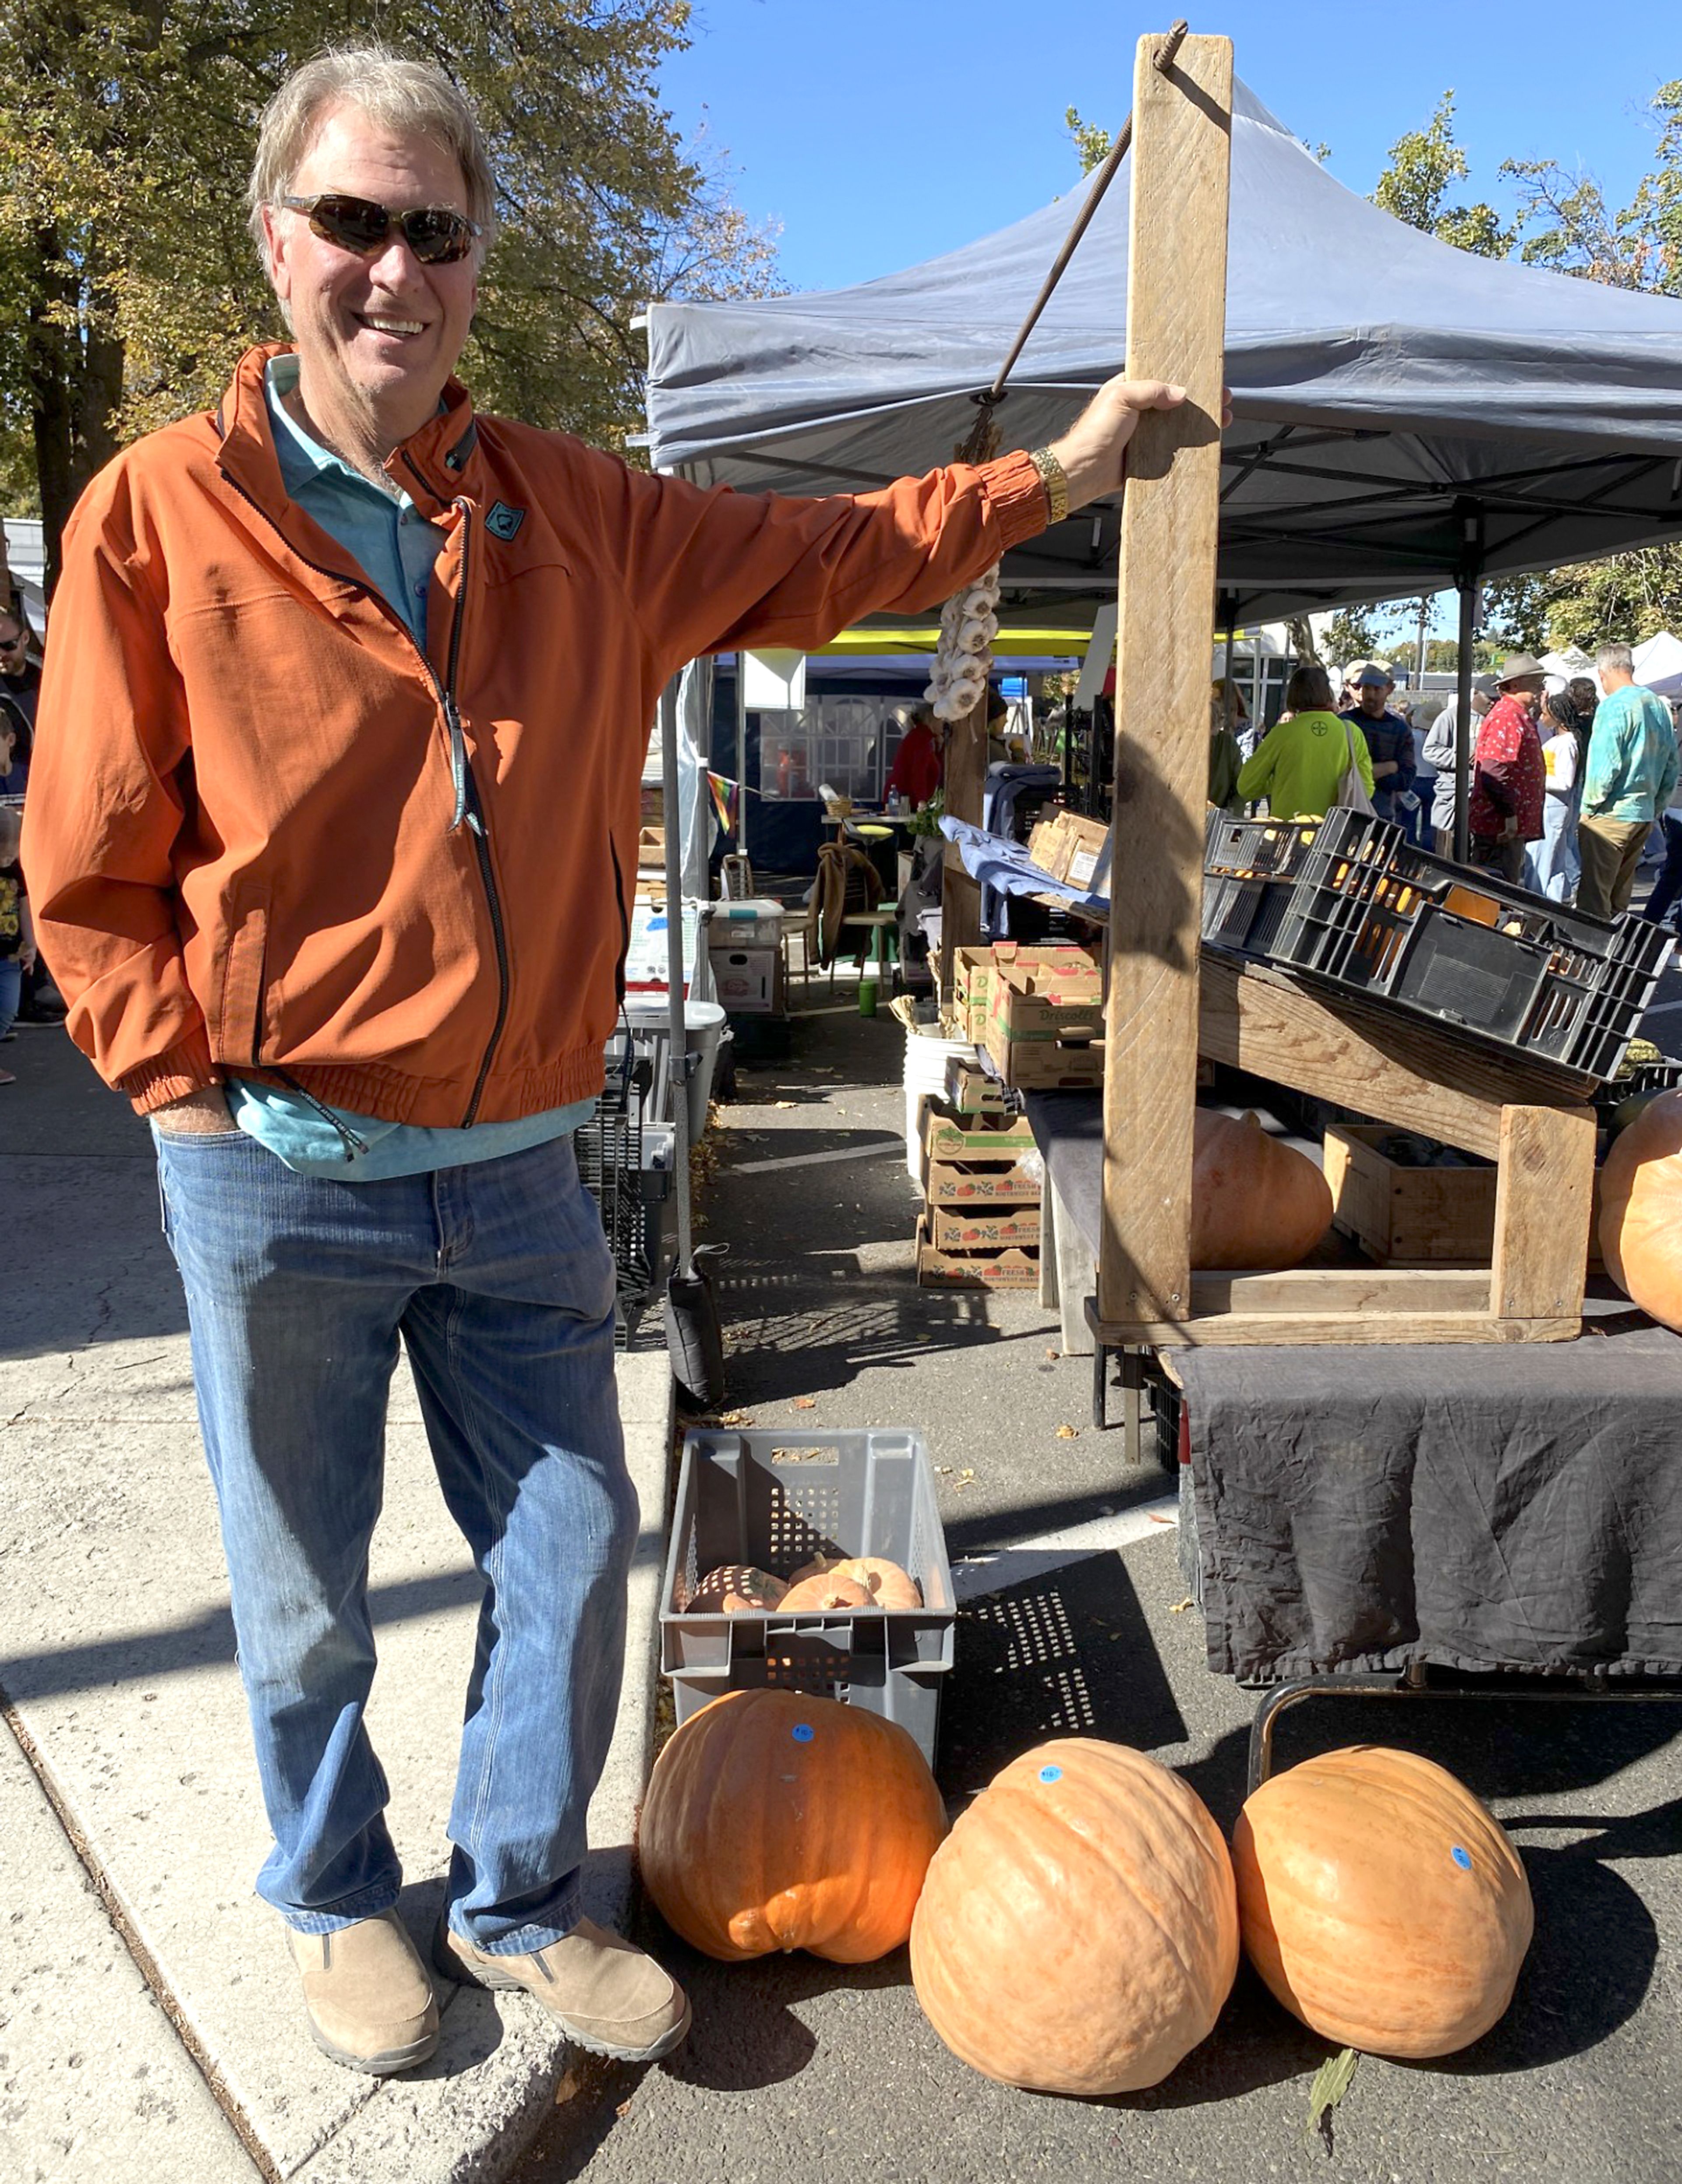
(1074, 1617)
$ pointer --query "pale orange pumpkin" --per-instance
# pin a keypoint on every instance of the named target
(1641, 1216)
(779, 1821)
(1255, 1202)
(1382, 1903)
(889, 1586)
(739, 1588)
(830, 1591)
(1078, 1932)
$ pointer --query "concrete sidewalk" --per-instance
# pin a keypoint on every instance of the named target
(149, 2021)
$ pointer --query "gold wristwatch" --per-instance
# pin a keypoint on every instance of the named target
(1056, 479)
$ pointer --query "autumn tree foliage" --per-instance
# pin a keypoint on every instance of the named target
(128, 284)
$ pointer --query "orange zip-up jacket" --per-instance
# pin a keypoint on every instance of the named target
(266, 835)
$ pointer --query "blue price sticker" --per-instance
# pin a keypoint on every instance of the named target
(1463, 1858)
(802, 1732)
(1050, 1774)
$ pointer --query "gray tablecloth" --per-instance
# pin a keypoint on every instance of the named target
(1479, 1507)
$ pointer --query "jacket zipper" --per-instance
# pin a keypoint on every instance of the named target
(467, 799)
(624, 922)
(468, 806)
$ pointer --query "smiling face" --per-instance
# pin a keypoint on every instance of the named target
(377, 337)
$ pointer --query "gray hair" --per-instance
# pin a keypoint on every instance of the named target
(411, 98)
(1617, 657)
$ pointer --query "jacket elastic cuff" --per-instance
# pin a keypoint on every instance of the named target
(171, 1075)
(1016, 492)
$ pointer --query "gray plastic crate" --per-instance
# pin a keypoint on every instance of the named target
(776, 1500)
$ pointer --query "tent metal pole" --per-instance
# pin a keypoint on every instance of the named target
(1468, 579)
(677, 1013)
(741, 753)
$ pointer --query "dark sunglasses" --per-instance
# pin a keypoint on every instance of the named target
(436, 234)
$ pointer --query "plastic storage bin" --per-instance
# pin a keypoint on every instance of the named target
(776, 1500)
(1452, 944)
(1248, 866)
(756, 923)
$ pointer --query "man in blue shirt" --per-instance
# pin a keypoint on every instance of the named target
(1631, 772)
(1388, 739)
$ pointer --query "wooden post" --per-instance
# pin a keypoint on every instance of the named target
(966, 781)
(1177, 286)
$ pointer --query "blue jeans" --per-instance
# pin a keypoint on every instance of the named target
(500, 1280)
(1668, 884)
(11, 990)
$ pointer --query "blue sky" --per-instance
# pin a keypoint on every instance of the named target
(879, 132)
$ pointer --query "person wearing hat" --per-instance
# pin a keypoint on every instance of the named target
(1389, 741)
(1439, 753)
(1508, 776)
(1631, 772)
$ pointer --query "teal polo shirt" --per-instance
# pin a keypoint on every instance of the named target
(394, 547)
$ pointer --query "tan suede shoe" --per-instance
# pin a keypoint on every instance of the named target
(605, 1994)
(371, 2004)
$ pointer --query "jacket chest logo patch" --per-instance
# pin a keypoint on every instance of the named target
(503, 521)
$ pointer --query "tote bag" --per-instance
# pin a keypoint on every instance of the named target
(1351, 789)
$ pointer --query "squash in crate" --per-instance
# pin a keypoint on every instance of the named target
(775, 1821)
(1255, 1203)
(1381, 1901)
(1641, 1217)
(1078, 1932)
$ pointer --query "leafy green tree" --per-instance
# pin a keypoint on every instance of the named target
(1423, 166)
(1091, 142)
(1351, 634)
(1572, 229)
(127, 283)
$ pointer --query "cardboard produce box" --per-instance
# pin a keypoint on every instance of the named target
(749, 981)
(1016, 1226)
(952, 1137)
(985, 1183)
(972, 1090)
(1404, 1213)
(1009, 1269)
(1064, 964)
(1041, 1034)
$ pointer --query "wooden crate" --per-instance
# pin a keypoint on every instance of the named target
(1409, 1215)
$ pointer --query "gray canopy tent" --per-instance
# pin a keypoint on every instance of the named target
(1405, 415)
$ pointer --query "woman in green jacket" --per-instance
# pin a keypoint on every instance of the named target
(1301, 761)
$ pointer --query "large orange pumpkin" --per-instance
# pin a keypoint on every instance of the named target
(1254, 1202)
(778, 1821)
(1641, 1223)
(1078, 1932)
(1382, 1903)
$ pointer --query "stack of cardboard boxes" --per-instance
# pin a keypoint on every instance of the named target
(981, 1180)
(1038, 1014)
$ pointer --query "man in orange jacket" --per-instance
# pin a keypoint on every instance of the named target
(335, 889)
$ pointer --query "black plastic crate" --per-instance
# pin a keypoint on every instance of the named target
(776, 1500)
(1249, 868)
(1455, 945)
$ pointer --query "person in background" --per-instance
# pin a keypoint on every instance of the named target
(1630, 776)
(1440, 750)
(919, 765)
(1506, 811)
(1307, 752)
(1584, 694)
(1388, 739)
(1554, 861)
(1227, 710)
(17, 933)
(20, 691)
(1668, 884)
